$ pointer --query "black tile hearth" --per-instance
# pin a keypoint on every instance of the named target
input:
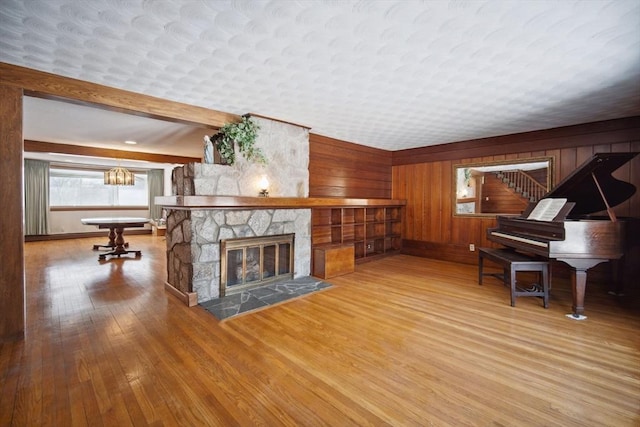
(270, 294)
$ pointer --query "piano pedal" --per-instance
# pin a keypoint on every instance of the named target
(534, 288)
(616, 294)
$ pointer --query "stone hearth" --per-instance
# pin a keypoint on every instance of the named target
(263, 296)
(193, 243)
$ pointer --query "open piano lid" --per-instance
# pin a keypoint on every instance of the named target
(580, 186)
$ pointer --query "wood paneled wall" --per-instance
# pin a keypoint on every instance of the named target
(498, 196)
(424, 178)
(342, 169)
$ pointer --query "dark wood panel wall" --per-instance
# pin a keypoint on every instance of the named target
(424, 178)
(342, 169)
(498, 196)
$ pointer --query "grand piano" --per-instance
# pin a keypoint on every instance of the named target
(573, 236)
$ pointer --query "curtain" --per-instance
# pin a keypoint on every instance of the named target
(36, 197)
(155, 179)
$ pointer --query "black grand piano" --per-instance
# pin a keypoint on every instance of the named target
(573, 236)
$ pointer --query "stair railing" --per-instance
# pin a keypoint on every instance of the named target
(524, 184)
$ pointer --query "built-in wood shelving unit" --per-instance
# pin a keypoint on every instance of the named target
(374, 231)
(372, 226)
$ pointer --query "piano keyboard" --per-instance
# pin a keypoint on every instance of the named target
(520, 239)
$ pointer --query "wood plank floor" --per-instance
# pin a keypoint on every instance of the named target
(404, 341)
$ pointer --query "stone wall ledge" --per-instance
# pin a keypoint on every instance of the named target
(242, 202)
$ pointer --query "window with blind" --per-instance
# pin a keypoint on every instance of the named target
(85, 187)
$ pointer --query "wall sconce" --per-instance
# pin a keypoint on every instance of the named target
(119, 176)
(264, 187)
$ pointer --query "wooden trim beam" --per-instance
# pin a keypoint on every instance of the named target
(50, 147)
(596, 133)
(52, 86)
(12, 289)
(222, 202)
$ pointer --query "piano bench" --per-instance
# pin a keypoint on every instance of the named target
(513, 262)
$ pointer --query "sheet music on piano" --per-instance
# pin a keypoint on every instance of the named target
(547, 209)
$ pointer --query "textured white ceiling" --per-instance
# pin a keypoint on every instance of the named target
(387, 74)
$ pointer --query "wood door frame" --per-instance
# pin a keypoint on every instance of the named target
(15, 83)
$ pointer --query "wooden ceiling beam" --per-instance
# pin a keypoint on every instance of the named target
(49, 147)
(51, 86)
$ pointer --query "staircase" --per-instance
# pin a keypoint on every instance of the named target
(523, 184)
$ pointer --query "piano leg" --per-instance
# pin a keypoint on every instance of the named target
(617, 286)
(578, 287)
(579, 283)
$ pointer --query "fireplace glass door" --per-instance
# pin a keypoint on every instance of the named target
(284, 253)
(269, 261)
(250, 262)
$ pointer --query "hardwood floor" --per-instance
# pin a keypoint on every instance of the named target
(404, 341)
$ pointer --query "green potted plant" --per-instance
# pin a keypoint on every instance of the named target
(243, 134)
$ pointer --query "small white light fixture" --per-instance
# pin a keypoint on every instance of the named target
(119, 176)
(264, 187)
(130, 142)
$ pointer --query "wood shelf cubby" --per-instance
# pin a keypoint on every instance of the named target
(373, 232)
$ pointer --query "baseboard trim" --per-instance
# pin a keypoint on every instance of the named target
(440, 251)
(190, 299)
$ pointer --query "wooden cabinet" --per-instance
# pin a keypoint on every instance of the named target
(374, 231)
(333, 260)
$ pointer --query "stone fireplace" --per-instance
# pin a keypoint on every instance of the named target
(255, 261)
(215, 203)
(194, 239)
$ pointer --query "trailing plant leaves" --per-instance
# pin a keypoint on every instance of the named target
(242, 134)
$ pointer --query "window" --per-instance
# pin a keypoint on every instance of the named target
(85, 187)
